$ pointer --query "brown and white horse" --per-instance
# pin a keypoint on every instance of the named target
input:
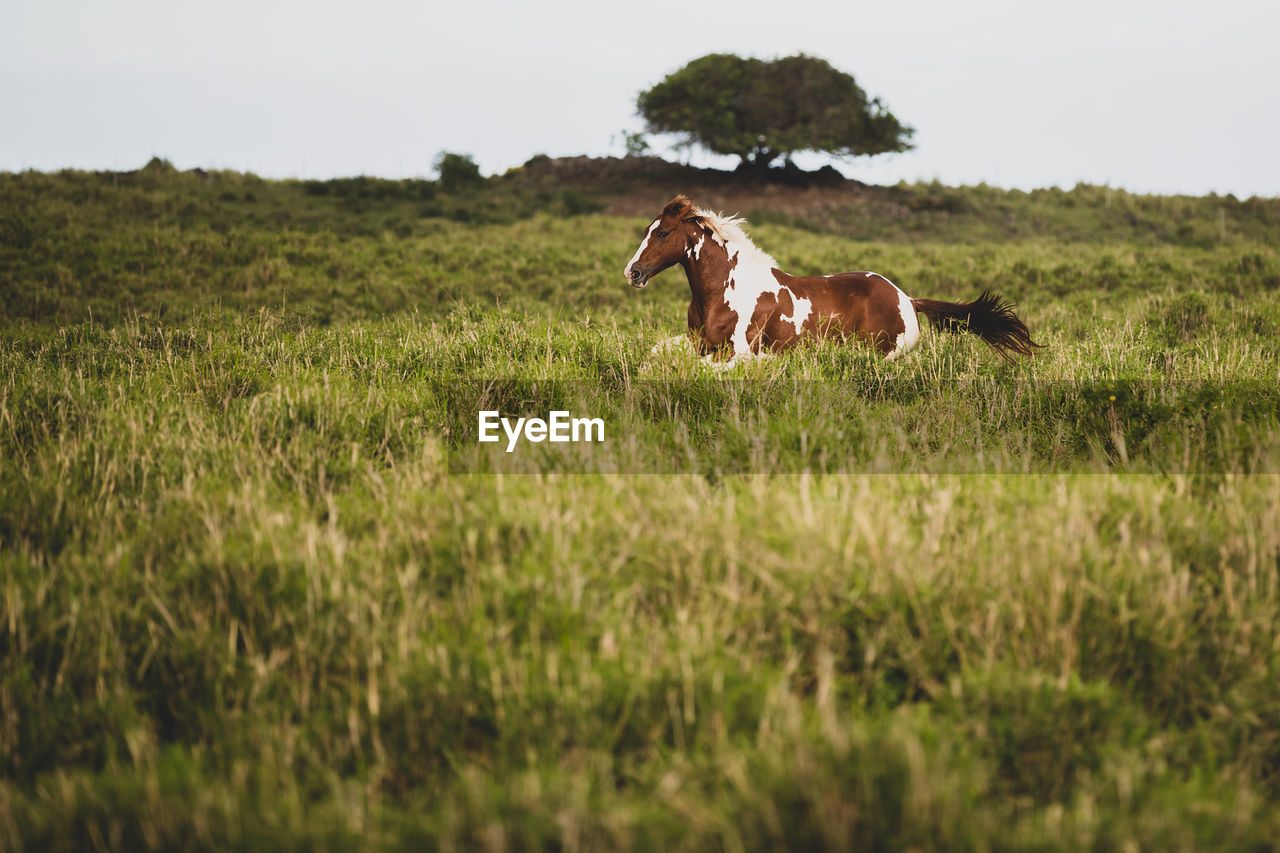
(743, 304)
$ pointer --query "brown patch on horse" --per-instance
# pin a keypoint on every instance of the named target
(883, 313)
(857, 305)
(767, 328)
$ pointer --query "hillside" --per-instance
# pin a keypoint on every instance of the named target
(161, 241)
(824, 201)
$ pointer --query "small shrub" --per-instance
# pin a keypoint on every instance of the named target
(457, 171)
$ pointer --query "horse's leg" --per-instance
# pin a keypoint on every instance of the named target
(757, 347)
(693, 338)
(667, 346)
(720, 366)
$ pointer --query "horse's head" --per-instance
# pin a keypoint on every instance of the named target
(665, 243)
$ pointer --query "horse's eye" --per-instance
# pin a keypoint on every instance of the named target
(663, 234)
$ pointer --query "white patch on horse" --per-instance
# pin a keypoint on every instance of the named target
(746, 284)
(911, 325)
(800, 311)
(626, 271)
(697, 248)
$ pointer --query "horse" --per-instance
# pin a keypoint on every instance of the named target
(743, 304)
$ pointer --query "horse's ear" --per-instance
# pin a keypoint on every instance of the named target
(677, 207)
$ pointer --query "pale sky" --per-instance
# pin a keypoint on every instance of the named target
(1150, 96)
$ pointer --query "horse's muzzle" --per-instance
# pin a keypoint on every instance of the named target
(637, 278)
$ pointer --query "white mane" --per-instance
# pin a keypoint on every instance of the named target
(728, 231)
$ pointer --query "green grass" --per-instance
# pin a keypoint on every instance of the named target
(258, 592)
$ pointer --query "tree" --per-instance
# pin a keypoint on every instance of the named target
(760, 110)
(457, 171)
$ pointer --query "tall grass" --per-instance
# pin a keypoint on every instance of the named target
(254, 593)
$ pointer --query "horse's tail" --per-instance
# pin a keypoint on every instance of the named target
(989, 317)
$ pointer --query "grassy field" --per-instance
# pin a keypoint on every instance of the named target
(263, 588)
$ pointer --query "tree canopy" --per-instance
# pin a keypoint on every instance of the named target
(760, 110)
